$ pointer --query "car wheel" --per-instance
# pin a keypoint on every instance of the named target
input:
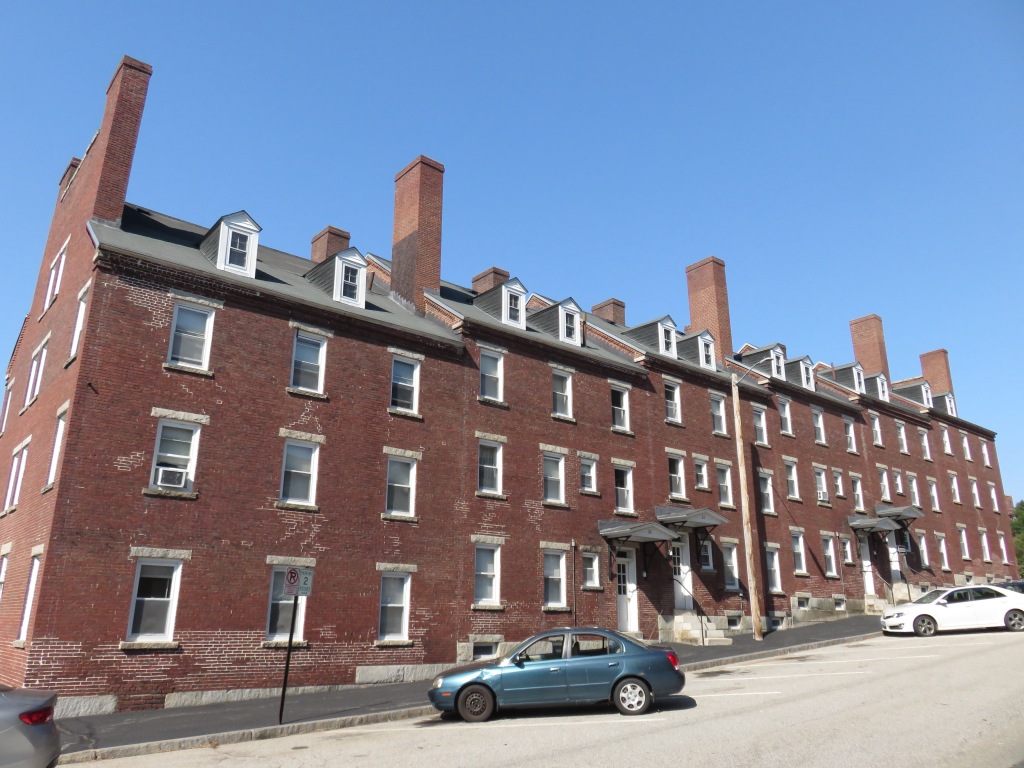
(1014, 620)
(631, 697)
(476, 704)
(924, 626)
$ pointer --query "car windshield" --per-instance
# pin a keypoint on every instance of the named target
(930, 597)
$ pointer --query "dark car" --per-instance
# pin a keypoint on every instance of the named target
(1016, 586)
(28, 735)
(562, 667)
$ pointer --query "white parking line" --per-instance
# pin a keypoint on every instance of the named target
(810, 674)
(766, 664)
(749, 693)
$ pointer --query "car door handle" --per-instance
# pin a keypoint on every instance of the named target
(555, 669)
(613, 663)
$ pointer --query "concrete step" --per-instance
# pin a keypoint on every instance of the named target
(706, 642)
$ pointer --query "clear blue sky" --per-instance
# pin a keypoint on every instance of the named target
(843, 158)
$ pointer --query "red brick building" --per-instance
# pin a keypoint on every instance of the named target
(189, 413)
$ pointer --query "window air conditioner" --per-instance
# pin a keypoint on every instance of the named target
(822, 495)
(171, 477)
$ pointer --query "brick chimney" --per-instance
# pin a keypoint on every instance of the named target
(109, 159)
(869, 345)
(612, 310)
(709, 303)
(327, 243)
(935, 369)
(416, 242)
(489, 278)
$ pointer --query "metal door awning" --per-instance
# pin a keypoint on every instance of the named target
(873, 524)
(899, 514)
(636, 532)
(689, 518)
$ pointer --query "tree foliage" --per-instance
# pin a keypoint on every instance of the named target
(1017, 525)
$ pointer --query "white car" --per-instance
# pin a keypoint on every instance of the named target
(973, 607)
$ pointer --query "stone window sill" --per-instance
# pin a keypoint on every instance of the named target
(625, 513)
(491, 402)
(47, 488)
(149, 645)
(597, 588)
(555, 504)
(623, 431)
(18, 644)
(299, 392)
(284, 644)
(491, 495)
(163, 493)
(674, 423)
(762, 445)
(405, 413)
(727, 506)
(556, 609)
(393, 644)
(769, 513)
(293, 506)
(487, 607)
(563, 417)
(583, 492)
(832, 576)
(674, 497)
(9, 511)
(70, 360)
(801, 574)
(825, 504)
(399, 518)
(186, 369)
(721, 434)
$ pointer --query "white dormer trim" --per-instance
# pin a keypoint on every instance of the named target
(778, 360)
(807, 375)
(883, 387)
(513, 304)
(667, 337)
(353, 290)
(706, 351)
(570, 325)
(950, 405)
(858, 380)
(926, 395)
(237, 244)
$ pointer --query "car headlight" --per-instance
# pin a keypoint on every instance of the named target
(895, 615)
(437, 682)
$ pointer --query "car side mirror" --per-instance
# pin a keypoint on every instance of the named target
(943, 601)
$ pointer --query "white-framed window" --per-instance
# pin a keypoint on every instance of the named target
(394, 606)
(986, 553)
(561, 394)
(58, 442)
(858, 493)
(818, 418)
(778, 364)
(707, 353)
(620, 408)
(774, 570)
(554, 579)
(591, 570)
(35, 373)
(954, 487)
(588, 474)
(405, 384)
(707, 556)
(487, 575)
(947, 446)
(3, 573)
(667, 334)
(799, 555)
(30, 595)
(966, 443)
(858, 380)
(760, 426)
(792, 483)
(876, 428)
(350, 279)
(513, 305)
(700, 473)
(950, 405)
(401, 492)
(732, 566)
(943, 552)
(883, 484)
(851, 435)
(76, 331)
(492, 366)
(298, 472)
(837, 483)
(922, 546)
(766, 494)
(807, 375)
(673, 408)
(280, 609)
(489, 467)
(828, 546)
(17, 476)
(238, 250)
(1000, 537)
(676, 477)
(926, 447)
(820, 484)
(984, 454)
(56, 273)
(308, 362)
(993, 496)
(897, 482)
(915, 494)
(847, 546)
(8, 396)
(623, 489)
(554, 478)
(926, 395)
(975, 493)
(191, 333)
(569, 326)
(724, 474)
(965, 552)
(901, 437)
(933, 492)
(718, 415)
(785, 417)
(174, 459)
(154, 600)
(883, 389)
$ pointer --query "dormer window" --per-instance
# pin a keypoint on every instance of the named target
(807, 375)
(883, 389)
(238, 250)
(707, 353)
(926, 395)
(950, 405)
(667, 337)
(570, 328)
(778, 364)
(350, 278)
(231, 244)
(513, 304)
(858, 380)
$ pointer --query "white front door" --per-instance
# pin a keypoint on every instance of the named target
(682, 578)
(625, 567)
(865, 566)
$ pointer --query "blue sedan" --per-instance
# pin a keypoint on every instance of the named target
(562, 667)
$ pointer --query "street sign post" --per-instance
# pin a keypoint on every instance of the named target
(298, 582)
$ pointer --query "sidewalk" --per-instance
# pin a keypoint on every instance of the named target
(125, 734)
